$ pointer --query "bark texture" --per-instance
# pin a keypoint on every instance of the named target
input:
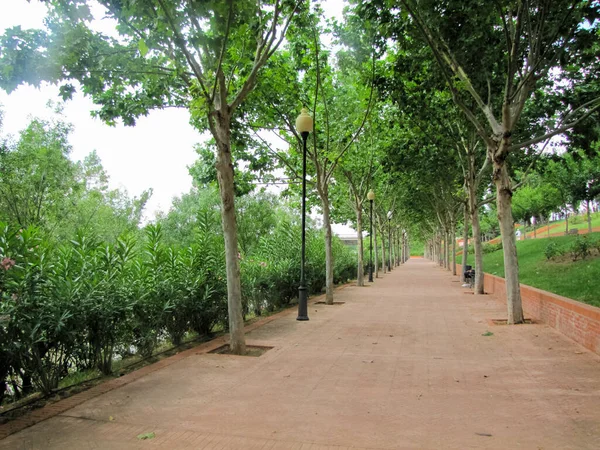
(328, 248)
(383, 255)
(511, 264)
(465, 251)
(477, 250)
(453, 249)
(360, 275)
(224, 165)
(376, 261)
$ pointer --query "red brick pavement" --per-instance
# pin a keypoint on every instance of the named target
(402, 363)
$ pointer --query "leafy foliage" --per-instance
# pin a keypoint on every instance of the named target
(75, 305)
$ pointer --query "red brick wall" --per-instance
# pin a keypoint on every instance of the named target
(576, 320)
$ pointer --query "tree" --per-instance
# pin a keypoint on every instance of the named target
(493, 60)
(357, 169)
(537, 198)
(203, 56)
(340, 102)
(578, 179)
(36, 175)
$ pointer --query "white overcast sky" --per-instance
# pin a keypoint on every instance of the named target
(153, 154)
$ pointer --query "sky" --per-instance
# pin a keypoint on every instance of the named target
(153, 154)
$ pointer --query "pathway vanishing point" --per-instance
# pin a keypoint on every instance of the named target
(403, 364)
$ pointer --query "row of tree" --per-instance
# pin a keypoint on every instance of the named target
(437, 107)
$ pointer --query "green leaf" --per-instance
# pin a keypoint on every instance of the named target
(142, 47)
(488, 333)
(144, 436)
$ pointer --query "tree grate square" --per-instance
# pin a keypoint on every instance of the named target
(251, 350)
(505, 321)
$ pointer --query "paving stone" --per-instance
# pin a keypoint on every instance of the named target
(402, 364)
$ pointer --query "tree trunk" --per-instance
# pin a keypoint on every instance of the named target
(465, 253)
(478, 252)
(448, 250)
(383, 252)
(393, 249)
(534, 228)
(511, 263)
(589, 216)
(402, 254)
(376, 265)
(567, 222)
(360, 275)
(224, 165)
(328, 247)
(453, 249)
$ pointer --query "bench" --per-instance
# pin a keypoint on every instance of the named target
(469, 276)
(572, 231)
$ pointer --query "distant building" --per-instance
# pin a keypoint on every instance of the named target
(348, 239)
(347, 234)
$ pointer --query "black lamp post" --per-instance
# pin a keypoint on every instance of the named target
(371, 197)
(389, 216)
(304, 125)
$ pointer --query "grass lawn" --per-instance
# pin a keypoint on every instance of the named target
(579, 280)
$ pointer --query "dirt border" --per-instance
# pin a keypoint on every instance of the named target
(55, 408)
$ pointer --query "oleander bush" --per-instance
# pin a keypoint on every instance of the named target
(73, 306)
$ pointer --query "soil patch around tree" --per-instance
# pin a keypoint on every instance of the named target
(251, 350)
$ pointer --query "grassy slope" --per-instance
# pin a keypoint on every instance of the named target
(579, 280)
(579, 222)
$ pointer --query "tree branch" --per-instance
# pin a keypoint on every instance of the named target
(180, 41)
(219, 72)
(362, 124)
(561, 129)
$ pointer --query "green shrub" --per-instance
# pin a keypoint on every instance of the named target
(490, 248)
(70, 307)
(595, 243)
(580, 248)
(576, 219)
(552, 251)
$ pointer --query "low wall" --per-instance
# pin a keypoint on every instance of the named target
(575, 320)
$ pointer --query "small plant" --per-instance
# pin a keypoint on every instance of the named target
(581, 248)
(576, 219)
(596, 244)
(491, 248)
(553, 251)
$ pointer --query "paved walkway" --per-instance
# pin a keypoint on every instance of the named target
(403, 364)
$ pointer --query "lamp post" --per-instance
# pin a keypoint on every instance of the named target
(389, 216)
(371, 197)
(304, 125)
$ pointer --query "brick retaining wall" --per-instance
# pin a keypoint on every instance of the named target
(575, 320)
